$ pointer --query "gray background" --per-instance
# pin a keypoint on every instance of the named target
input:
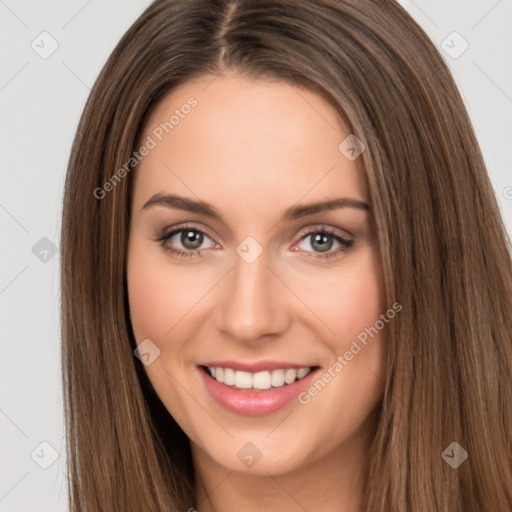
(40, 103)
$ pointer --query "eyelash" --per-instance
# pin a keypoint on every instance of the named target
(165, 236)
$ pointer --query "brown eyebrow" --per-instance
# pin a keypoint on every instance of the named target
(292, 213)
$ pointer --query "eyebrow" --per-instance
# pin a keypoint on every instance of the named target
(292, 213)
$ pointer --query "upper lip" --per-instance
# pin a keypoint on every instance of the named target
(257, 366)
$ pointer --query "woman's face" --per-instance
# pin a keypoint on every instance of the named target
(233, 263)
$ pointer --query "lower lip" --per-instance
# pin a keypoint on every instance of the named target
(255, 403)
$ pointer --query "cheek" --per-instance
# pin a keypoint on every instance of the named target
(363, 332)
(160, 295)
(150, 301)
(345, 302)
(352, 308)
(359, 305)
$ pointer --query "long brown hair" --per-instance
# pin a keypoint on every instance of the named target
(443, 248)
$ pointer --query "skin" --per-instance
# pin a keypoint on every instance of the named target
(253, 148)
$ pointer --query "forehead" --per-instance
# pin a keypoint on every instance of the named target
(266, 140)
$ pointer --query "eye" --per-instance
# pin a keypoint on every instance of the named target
(188, 241)
(324, 242)
(185, 241)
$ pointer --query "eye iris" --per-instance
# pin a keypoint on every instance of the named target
(324, 239)
(191, 239)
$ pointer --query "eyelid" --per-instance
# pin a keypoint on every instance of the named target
(308, 230)
(345, 242)
(323, 229)
(168, 232)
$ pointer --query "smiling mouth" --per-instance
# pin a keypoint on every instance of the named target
(257, 381)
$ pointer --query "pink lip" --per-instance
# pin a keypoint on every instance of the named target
(259, 366)
(255, 403)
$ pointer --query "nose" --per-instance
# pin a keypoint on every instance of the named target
(253, 303)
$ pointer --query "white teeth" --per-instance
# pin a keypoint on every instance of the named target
(277, 378)
(302, 372)
(261, 380)
(243, 380)
(229, 376)
(290, 375)
(258, 380)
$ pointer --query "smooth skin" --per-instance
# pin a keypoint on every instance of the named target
(252, 149)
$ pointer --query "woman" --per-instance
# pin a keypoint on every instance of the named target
(285, 280)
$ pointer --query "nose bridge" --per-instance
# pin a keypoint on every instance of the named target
(250, 306)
